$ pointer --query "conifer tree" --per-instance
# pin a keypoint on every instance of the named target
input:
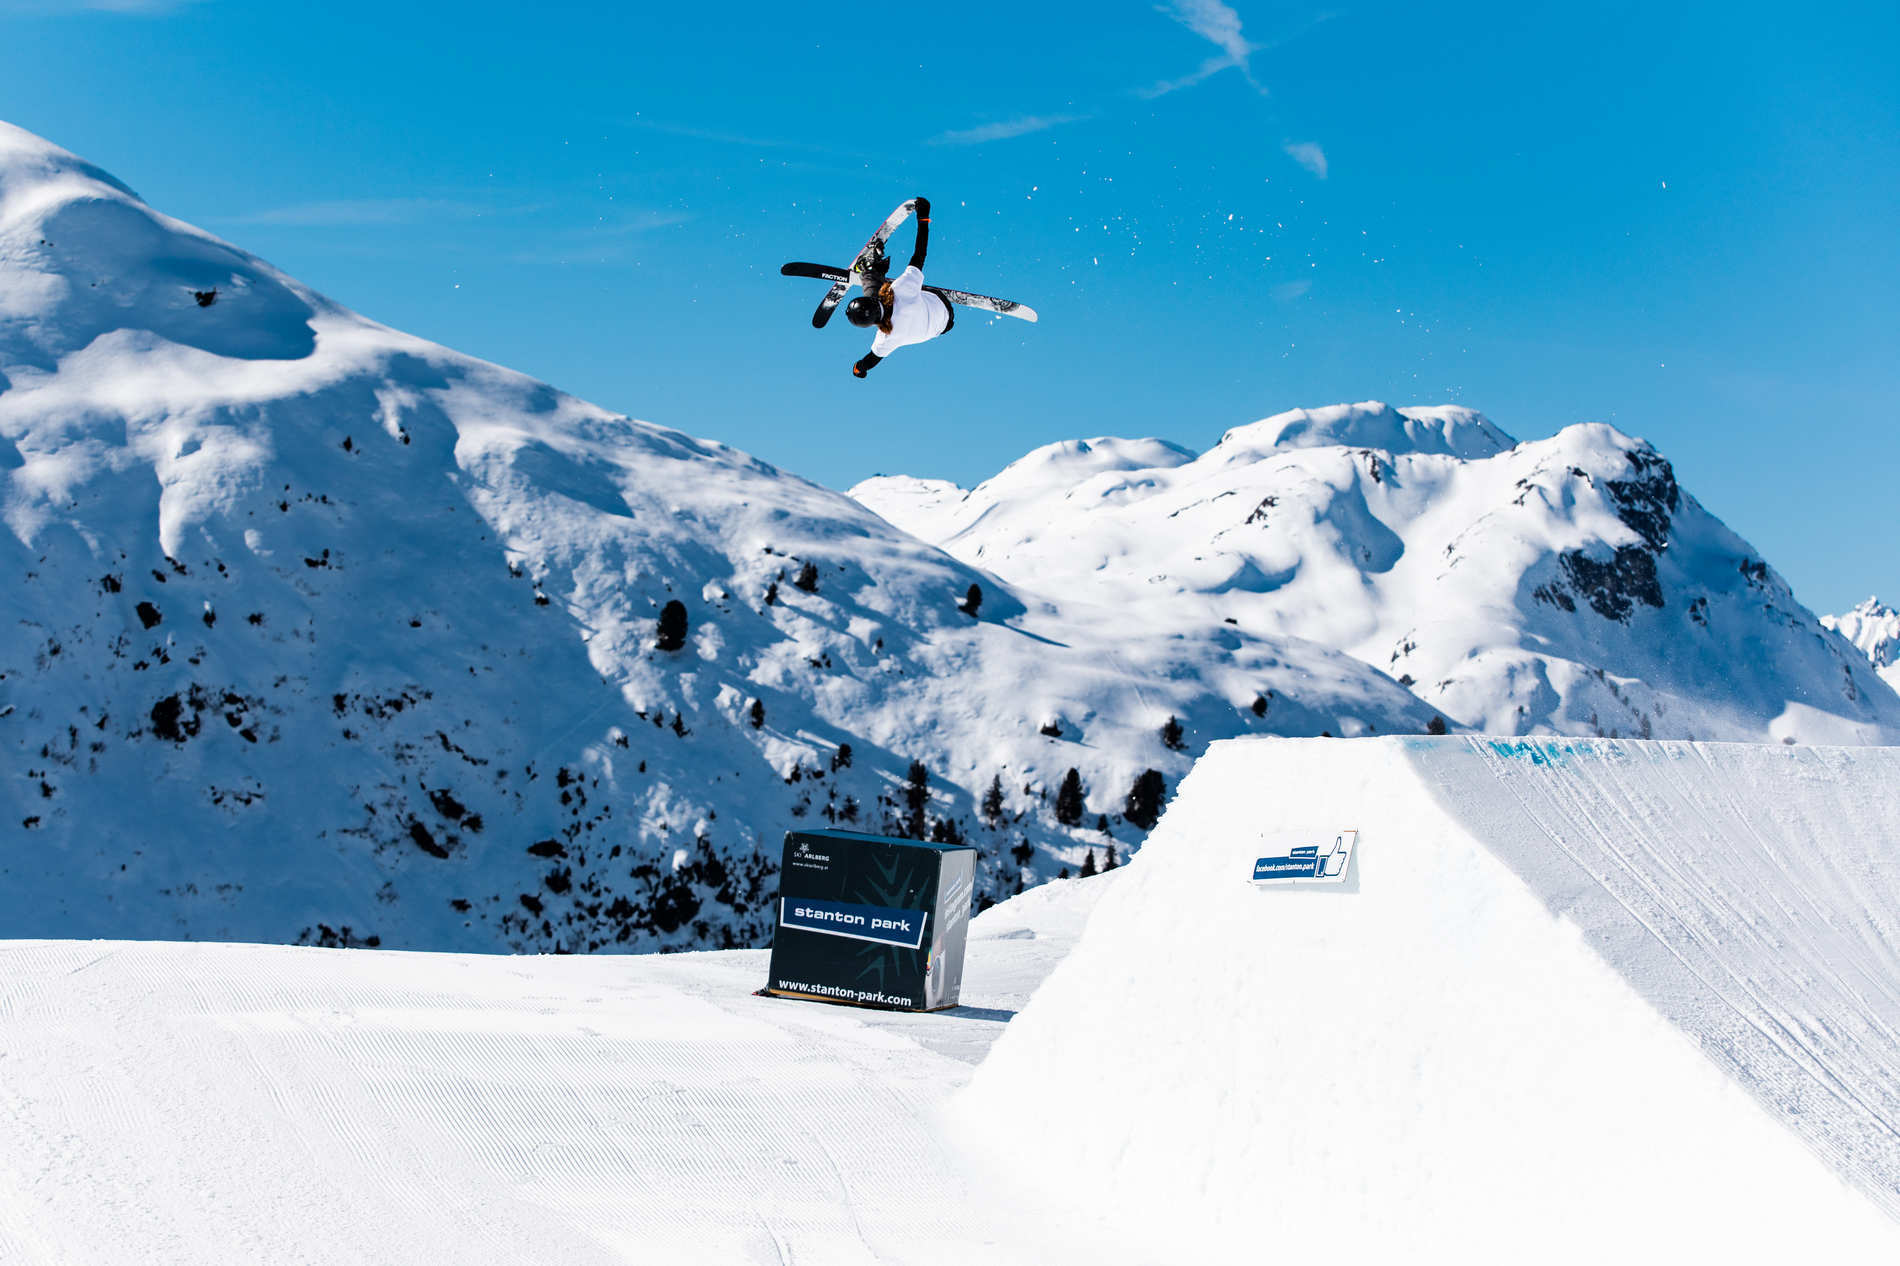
(807, 578)
(1143, 806)
(757, 713)
(671, 634)
(1069, 804)
(972, 599)
(916, 797)
(1088, 865)
(1171, 736)
(993, 801)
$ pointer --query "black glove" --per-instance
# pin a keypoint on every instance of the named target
(866, 364)
(922, 207)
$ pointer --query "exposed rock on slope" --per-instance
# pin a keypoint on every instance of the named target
(1567, 585)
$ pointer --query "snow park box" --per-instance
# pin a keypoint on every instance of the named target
(871, 921)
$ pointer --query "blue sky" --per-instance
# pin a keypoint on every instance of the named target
(1676, 218)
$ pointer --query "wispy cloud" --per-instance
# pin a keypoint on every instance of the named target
(1008, 128)
(1209, 68)
(1288, 291)
(716, 137)
(638, 222)
(612, 238)
(1219, 25)
(1213, 22)
(1309, 155)
(346, 212)
(608, 242)
(62, 8)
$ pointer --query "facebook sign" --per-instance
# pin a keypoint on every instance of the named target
(1295, 859)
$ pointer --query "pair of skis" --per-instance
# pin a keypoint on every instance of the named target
(866, 264)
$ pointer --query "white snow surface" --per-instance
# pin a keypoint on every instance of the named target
(211, 1104)
(323, 632)
(1575, 1001)
(1874, 629)
(1578, 1000)
(1562, 586)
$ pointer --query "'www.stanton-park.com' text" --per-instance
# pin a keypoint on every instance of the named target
(839, 991)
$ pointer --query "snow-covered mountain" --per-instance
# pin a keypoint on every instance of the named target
(1566, 586)
(1874, 629)
(320, 631)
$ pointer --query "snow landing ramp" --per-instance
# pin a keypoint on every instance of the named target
(1574, 1001)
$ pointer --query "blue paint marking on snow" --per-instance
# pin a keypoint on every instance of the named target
(1550, 752)
(1511, 749)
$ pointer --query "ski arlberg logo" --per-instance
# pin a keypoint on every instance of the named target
(1292, 856)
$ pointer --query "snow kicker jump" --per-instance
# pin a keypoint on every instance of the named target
(903, 310)
(1568, 995)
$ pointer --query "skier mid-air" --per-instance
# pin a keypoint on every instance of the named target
(903, 311)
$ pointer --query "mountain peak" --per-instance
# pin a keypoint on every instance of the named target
(1566, 584)
(30, 163)
(1066, 463)
(1446, 430)
(1874, 629)
(82, 258)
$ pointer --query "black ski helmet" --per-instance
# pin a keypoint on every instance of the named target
(864, 311)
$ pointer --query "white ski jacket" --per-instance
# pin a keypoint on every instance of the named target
(917, 316)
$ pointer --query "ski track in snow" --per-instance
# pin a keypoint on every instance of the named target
(237, 1103)
(233, 1103)
(1576, 1000)
(1797, 1000)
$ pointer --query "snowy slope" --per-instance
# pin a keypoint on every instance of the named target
(323, 632)
(1874, 629)
(1566, 585)
(245, 1104)
(1577, 1000)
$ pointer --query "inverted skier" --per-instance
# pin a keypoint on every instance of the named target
(902, 311)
